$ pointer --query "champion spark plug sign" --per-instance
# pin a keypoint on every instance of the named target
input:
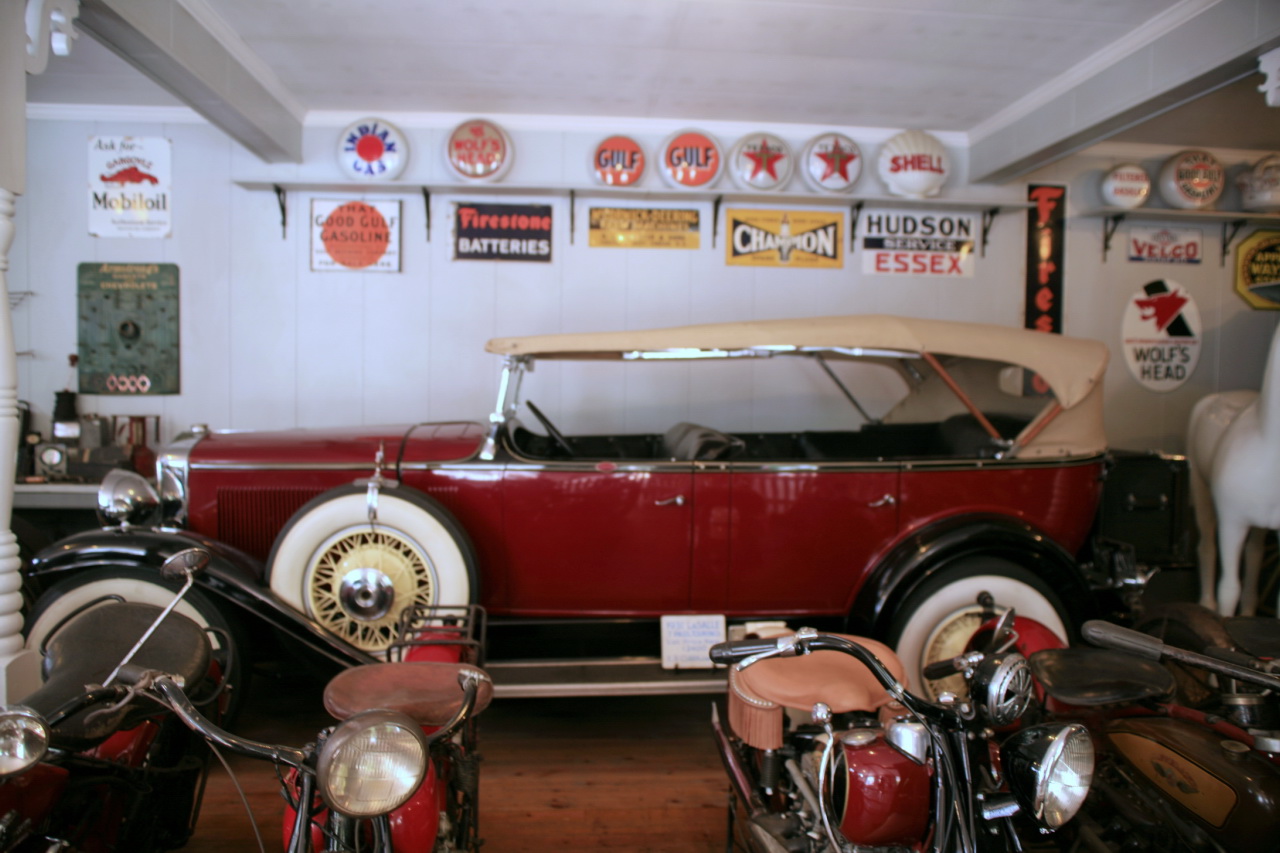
(502, 232)
(808, 239)
(1161, 335)
(129, 186)
(939, 245)
(355, 235)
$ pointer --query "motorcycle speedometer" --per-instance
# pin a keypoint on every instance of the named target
(24, 740)
(1050, 769)
(372, 763)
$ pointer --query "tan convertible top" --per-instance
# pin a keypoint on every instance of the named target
(1073, 367)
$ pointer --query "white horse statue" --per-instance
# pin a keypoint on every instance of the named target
(1233, 449)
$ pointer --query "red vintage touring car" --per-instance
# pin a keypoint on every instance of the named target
(876, 471)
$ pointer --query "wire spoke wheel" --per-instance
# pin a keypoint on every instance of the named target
(361, 580)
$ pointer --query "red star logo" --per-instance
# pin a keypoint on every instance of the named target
(837, 160)
(764, 159)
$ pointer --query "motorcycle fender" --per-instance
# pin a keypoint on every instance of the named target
(232, 577)
(34, 794)
(1234, 795)
(934, 548)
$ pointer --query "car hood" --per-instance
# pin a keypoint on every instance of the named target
(340, 446)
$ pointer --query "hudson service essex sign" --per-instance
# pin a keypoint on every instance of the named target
(939, 245)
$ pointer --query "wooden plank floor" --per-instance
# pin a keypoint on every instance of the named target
(621, 773)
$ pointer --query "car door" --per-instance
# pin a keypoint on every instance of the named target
(802, 537)
(602, 538)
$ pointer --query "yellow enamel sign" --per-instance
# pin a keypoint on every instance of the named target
(643, 228)
(802, 239)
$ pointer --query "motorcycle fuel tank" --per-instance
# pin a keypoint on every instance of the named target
(880, 796)
(1229, 790)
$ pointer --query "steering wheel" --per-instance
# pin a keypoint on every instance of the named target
(556, 435)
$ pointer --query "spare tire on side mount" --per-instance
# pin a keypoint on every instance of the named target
(353, 562)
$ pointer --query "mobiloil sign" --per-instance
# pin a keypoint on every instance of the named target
(129, 186)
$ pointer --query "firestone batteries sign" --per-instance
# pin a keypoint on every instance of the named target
(129, 185)
(1161, 335)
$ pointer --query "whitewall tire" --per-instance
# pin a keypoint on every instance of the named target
(937, 620)
(354, 577)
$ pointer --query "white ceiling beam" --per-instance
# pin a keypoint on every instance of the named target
(205, 66)
(1210, 45)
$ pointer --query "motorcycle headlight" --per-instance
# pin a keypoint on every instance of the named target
(372, 763)
(24, 739)
(1049, 769)
(127, 498)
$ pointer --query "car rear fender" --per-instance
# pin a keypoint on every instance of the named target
(232, 578)
(944, 544)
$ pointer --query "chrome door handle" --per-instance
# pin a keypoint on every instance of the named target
(887, 500)
(678, 500)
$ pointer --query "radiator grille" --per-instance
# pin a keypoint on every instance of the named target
(251, 518)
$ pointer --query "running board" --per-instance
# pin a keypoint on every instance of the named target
(611, 677)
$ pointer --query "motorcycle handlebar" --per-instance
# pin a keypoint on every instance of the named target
(186, 711)
(1127, 640)
(736, 651)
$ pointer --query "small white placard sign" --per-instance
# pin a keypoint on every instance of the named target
(686, 639)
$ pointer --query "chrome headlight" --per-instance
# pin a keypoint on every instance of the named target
(127, 498)
(372, 763)
(24, 739)
(1049, 769)
(1001, 687)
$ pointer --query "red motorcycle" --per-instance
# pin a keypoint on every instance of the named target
(400, 771)
(101, 767)
(877, 768)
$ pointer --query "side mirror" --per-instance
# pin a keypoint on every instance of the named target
(188, 562)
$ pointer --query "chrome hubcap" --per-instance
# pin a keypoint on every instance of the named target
(366, 594)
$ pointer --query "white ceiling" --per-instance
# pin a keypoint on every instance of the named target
(968, 66)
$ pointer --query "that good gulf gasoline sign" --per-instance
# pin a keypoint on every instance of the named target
(129, 186)
(1161, 335)
(926, 244)
(355, 235)
(808, 239)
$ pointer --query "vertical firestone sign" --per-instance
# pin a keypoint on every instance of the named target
(1045, 236)
(129, 186)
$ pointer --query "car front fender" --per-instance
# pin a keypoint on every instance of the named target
(935, 547)
(232, 577)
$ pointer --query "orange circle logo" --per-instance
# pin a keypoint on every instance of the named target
(691, 159)
(618, 161)
(356, 235)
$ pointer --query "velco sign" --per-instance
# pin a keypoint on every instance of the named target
(1161, 335)
(1165, 245)
(129, 186)
(502, 232)
(929, 244)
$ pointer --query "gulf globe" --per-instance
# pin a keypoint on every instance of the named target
(914, 164)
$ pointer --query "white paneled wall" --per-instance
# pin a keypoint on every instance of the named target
(268, 344)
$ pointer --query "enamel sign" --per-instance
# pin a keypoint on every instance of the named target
(939, 245)
(129, 186)
(502, 232)
(372, 150)
(1161, 330)
(643, 228)
(349, 236)
(760, 161)
(479, 150)
(831, 163)
(803, 239)
(1165, 245)
(618, 162)
(691, 160)
(1258, 269)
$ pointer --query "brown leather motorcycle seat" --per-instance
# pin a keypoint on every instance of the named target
(1089, 677)
(427, 691)
(758, 693)
(89, 647)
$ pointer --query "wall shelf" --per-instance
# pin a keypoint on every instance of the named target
(1232, 221)
(855, 202)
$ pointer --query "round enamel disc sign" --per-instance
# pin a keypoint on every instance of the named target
(1126, 185)
(618, 162)
(1192, 180)
(372, 150)
(691, 159)
(479, 150)
(831, 163)
(760, 161)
